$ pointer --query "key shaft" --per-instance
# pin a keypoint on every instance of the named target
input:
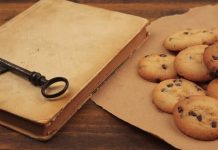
(34, 77)
(15, 69)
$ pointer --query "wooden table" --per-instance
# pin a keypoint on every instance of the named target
(92, 127)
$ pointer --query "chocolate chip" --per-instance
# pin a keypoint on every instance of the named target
(186, 97)
(180, 109)
(146, 56)
(178, 84)
(192, 113)
(163, 90)
(199, 117)
(157, 80)
(204, 31)
(164, 66)
(169, 85)
(186, 33)
(215, 57)
(213, 124)
(163, 55)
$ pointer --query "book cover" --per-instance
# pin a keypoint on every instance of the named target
(61, 38)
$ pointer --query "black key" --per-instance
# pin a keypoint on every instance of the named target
(35, 78)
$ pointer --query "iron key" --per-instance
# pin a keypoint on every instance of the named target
(35, 78)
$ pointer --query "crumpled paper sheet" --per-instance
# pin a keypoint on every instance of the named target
(128, 96)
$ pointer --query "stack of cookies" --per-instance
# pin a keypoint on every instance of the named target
(187, 87)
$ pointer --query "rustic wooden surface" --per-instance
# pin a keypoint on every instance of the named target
(93, 128)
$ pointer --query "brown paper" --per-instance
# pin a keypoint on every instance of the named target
(128, 96)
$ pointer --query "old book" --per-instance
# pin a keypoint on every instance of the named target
(61, 38)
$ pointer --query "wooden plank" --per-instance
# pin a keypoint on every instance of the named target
(148, 10)
(90, 128)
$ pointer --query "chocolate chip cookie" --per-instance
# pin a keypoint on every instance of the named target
(157, 67)
(197, 117)
(212, 88)
(189, 37)
(211, 59)
(167, 93)
(190, 65)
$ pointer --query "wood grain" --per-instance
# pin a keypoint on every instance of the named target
(92, 127)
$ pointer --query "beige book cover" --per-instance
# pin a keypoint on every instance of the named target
(61, 38)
